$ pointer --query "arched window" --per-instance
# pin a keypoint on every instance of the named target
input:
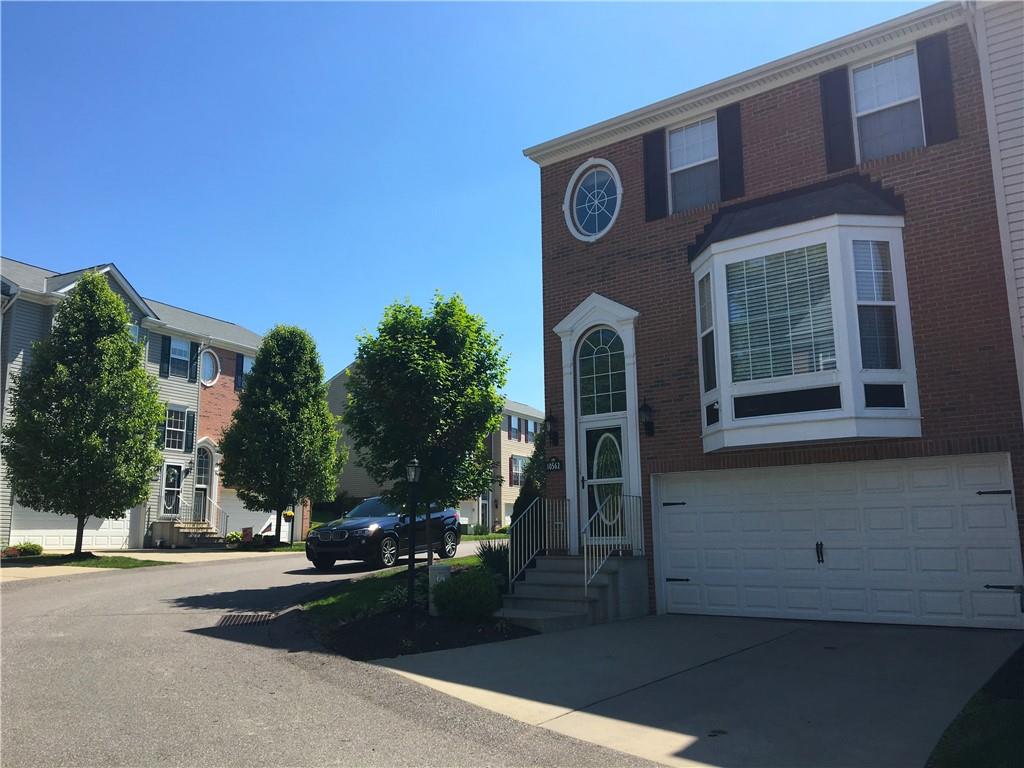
(602, 373)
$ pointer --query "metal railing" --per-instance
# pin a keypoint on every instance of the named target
(615, 528)
(543, 527)
(211, 516)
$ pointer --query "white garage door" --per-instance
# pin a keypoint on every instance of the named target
(58, 531)
(910, 542)
(238, 517)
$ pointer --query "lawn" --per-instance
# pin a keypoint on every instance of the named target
(360, 597)
(485, 536)
(85, 561)
(989, 731)
(295, 546)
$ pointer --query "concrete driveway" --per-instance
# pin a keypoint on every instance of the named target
(693, 690)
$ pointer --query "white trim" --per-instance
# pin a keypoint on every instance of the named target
(855, 115)
(568, 203)
(594, 311)
(876, 41)
(183, 409)
(1002, 215)
(163, 514)
(853, 418)
(209, 351)
(121, 280)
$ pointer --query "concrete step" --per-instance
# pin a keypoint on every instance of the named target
(561, 591)
(567, 578)
(573, 604)
(543, 620)
(563, 563)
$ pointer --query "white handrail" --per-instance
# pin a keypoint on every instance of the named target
(541, 527)
(614, 527)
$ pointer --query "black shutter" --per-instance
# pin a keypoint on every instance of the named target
(837, 120)
(193, 362)
(730, 152)
(190, 430)
(165, 356)
(936, 89)
(511, 480)
(655, 176)
(509, 427)
(239, 367)
(160, 436)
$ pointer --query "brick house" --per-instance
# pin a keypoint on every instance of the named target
(778, 343)
(199, 364)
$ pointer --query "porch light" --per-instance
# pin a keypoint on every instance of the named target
(647, 418)
(551, 425)
(412, 471)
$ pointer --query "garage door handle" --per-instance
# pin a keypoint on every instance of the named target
(669, 579)
(994, 493)
(1018, 588)
(819, 550)
(673, 503)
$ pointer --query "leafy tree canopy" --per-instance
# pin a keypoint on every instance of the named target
(281, 444)
(426, 386)
(85, 414)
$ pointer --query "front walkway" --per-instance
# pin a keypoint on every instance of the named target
(696, 690)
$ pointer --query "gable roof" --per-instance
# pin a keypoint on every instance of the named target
(850, 194)
(40, 280)
(523, 409)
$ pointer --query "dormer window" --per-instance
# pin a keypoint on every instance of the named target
(804, 334)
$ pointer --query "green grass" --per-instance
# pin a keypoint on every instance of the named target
(295, 546)
(989, 731)
(102, 561)
(475, 537)
(361, 597)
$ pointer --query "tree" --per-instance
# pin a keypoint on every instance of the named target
(82, 439)
(281, 444)
(534, 474)
(426, 386)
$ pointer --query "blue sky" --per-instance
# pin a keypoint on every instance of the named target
(309, 164)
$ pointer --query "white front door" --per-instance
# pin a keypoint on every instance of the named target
(905, 541)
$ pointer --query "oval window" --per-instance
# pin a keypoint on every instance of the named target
(209, 367)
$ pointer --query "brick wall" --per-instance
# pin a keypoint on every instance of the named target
(218, 401)
(965, 364)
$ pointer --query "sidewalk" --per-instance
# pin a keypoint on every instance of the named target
(14, 572)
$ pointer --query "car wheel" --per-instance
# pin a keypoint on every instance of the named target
(387, 553)
(449, 544)
(323, 563)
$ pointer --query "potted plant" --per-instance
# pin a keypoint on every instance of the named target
(233, 540)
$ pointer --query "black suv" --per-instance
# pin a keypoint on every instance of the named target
(378, 532)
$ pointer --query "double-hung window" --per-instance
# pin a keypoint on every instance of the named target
(174, 428)
(516, 466)
(513, 428)
(876, 305)
(693, 165)
(531, 430)
(887, 106)
(181, 352)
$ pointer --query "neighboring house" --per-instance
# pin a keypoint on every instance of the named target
(776, 325)
(510, 447)
(999, 32)
(199, 363)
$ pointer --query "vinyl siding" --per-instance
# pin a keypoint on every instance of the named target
(172, 391)
(24, 323)
(353, 480)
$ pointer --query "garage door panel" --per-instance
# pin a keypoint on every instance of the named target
(59, 531)
(905, 541)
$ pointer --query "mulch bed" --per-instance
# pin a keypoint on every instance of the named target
(386, 635)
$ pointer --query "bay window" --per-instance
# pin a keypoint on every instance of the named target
(813, 334)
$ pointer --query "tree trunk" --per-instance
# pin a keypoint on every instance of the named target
(80, 533)
(277, 527)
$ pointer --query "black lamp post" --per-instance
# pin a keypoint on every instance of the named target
(647, 418)
(412, 475)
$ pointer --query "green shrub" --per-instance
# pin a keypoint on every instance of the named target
(235, 537)
(493, 553)
(502, 529)
(470, 595)
(28, 549)
(480, 530)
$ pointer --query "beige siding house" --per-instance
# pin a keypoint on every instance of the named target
(186, 501)
(510, 447)
(999, 33)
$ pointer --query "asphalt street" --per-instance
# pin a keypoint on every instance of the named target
(130, 668)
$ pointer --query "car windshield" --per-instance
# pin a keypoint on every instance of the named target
(373, 508)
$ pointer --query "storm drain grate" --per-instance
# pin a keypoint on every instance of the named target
(245, 619)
